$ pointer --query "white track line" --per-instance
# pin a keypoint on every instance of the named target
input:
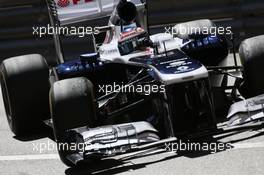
(56, 156)
(248, 145)
(29, 157)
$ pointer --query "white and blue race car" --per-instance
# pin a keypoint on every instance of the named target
(137, 91)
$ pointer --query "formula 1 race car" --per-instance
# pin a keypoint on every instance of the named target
(138, 91)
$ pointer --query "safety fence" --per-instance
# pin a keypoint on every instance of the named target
(246, 17)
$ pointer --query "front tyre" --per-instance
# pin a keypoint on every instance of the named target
(251, 52)
(25, 89)
(72, 106)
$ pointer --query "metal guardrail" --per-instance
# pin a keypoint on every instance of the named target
(18, 17)
(246, 17)
(16, 21)
(15, 3)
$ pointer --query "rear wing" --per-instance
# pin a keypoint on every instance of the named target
(74, 11)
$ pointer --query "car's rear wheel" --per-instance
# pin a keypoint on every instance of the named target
(209, 48)
(25, 89)
(72, 106)
(185, 30)
(251, 52)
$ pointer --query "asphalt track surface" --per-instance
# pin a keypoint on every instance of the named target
(36, 155)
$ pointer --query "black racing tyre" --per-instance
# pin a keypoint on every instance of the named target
(73, 105)
(25, 88)
(251, 53)
(209, 48)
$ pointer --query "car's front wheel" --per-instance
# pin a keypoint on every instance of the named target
(251, 52)
(25, 89)
(72, 106)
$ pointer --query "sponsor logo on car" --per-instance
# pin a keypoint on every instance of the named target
(66, 3)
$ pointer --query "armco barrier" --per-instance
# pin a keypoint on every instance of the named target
(17, 17)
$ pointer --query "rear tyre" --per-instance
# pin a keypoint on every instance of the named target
(251, 52)
(72, 106)
(25, 88)
(209, 48)
(183, 30)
